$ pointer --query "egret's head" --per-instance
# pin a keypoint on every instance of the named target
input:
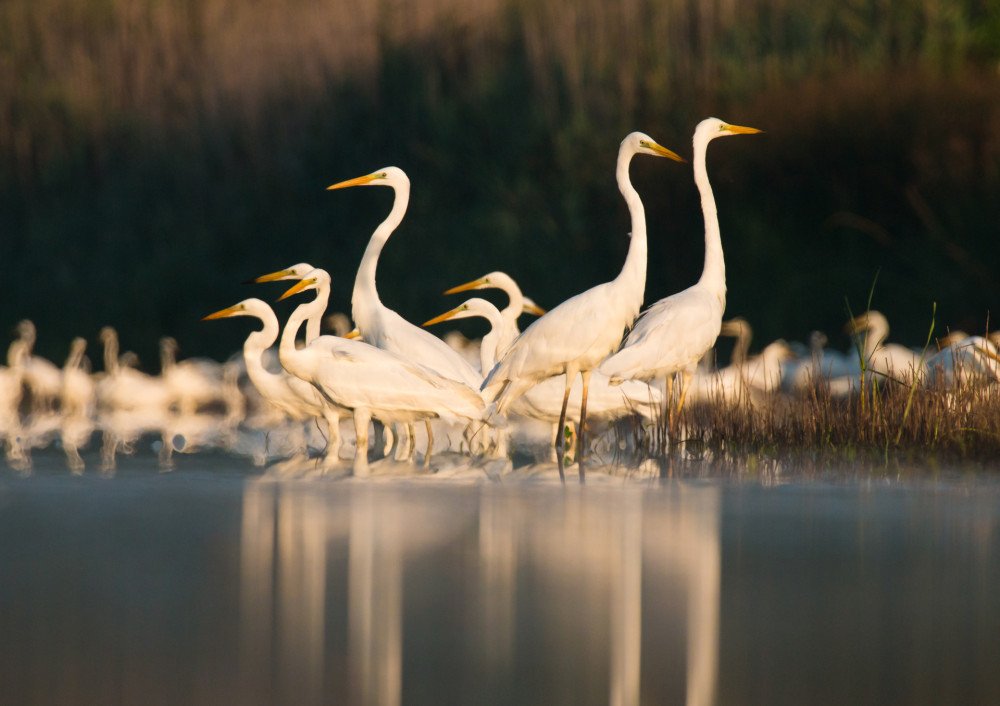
(387, 176)
(235, 310)
(462, 311)
(713, 127)
(294, 272)
(641, 143)
(316, 279)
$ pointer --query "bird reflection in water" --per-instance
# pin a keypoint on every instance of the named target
(365, 594)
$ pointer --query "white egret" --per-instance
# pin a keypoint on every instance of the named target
(673, 334)
(880, 358)
(964, 359)
(371, 381)
(575, 336)
(42, 378)
(78, 395)
(379, 325)
(517, 305)
(544, 400)
(297, 398)
(191, 384)
(122, 387)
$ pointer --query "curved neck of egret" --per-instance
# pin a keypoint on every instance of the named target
(713, 275)
(75, 358)
(490, 340)
(365, 293)
(287, 351)
(111, 354)
(259, 341)
(515, 307)
(633, 274)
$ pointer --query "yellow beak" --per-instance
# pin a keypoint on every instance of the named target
(298, 287)
(358, 181)
(741, 130)
(280, 274)
(445, 316)
(664, 152)
(224, 313)
(474, 284)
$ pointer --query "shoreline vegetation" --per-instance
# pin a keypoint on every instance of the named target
(154, 154)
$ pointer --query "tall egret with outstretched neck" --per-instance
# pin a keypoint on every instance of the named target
(370, 381)
(576, 335)
(673, 334)
(379, 325)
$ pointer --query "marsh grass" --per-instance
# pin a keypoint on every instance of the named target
(884, 423)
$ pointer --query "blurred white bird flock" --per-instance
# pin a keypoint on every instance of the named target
(595, 358)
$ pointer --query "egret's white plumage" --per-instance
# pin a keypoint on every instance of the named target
(371, 381)
(575, 336)
(517, 305)
(124, 388)
(78, 395)
(544, 400)
(42, 378)
(965, 360)
(294, 396)
(192, 383)
(673, 334)
(379, 325)
(883, 359)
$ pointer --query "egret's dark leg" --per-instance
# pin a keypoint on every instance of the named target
(581, 443)
(561, 438)
(430, 442)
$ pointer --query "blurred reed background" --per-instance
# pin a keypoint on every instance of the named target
(156, 153)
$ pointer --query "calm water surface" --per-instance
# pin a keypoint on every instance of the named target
(219, 584)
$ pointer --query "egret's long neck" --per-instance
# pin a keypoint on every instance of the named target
(488, 346)
(286, 348)
(111, 355)
(714, 274)
(633, 275)
(508, 329)
(259, 341)
(878, 334)
(364, 283)
(316, 314)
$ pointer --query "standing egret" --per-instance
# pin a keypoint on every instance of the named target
(42, 377)
(379, 325)
(371, 381)
(517, 304)
(295, 397)
(544, 400)
(883, 359)
(78, 395)
(576, 335)
(673, 334)
(124, 388)
(193, 383)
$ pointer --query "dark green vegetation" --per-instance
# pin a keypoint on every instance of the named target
(153, 155)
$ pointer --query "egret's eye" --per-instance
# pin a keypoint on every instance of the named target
(384, 175)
